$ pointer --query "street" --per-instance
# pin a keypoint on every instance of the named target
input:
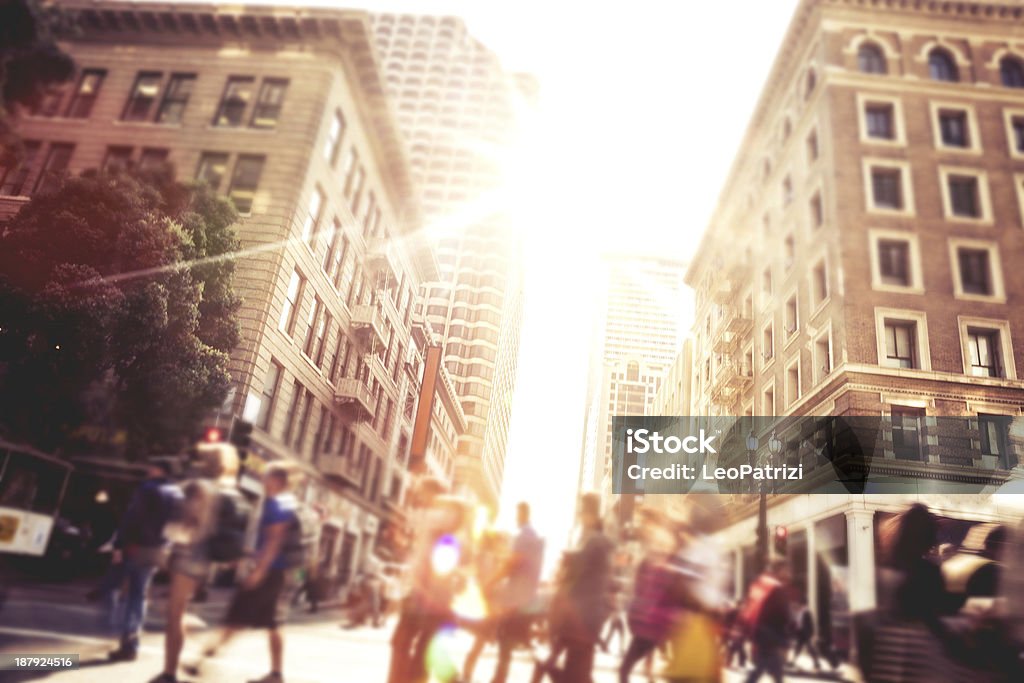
(56, 620)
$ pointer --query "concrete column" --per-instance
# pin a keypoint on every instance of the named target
(860, 531)
(812, 573)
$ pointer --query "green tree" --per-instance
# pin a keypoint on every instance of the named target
(30, 62)
(117, 312)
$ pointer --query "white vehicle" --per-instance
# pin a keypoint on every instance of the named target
(32, 487)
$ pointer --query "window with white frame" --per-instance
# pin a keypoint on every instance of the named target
(902, 339)
(1014, 120)
(887, 186)
(955, 127)
(791, 317)
(895, 261)
(977, 270)
(793, 382)
(881, 120)
(822, 355)
(819, 284)
(768, 400)
(768, 343)
(965, 195)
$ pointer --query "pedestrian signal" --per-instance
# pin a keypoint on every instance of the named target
(781, 540)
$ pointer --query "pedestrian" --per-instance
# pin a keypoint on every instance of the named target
(582, 600)
(521, 575)
(734, 637)
(654, 605)
(373, 588)
(255, 603)
(617, 621)
(767, 619)
(139, 547)
(209, 509)
(488, 562)
(439, 553)
(804, 632)
(308, 588)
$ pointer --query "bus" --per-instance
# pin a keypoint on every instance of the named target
(32, 487)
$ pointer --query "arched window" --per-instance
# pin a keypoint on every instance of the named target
(941, 66)
(870, 59)
(1012, 72)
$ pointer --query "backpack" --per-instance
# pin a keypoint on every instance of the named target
(298, 543)
(226, 542)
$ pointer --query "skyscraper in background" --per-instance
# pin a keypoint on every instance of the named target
(457, 109)
(644, 314)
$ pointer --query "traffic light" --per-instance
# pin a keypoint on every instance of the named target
(241, 436)
(781, 540)
(213, 435)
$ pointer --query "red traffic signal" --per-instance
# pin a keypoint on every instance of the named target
(781, 538)
(213, 435)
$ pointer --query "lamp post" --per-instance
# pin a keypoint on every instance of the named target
(763, 460)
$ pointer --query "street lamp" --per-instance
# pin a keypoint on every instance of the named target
(765, 460)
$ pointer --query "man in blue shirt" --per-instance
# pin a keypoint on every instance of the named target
(255, 603)
(138, 547)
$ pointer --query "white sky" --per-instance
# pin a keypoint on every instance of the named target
(643, 107)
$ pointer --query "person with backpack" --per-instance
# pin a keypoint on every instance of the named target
(280, 548)
(208, 526)
(139, 544)
(766, 617)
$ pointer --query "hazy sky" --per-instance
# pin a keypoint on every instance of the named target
(643, 106)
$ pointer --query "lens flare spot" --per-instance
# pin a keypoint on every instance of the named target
(441, 657)
(445, 556)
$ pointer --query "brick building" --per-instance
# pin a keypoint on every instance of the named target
(283, 111)
(861, 261)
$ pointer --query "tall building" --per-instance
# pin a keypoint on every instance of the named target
(860, 263)
(644, 309)
(282, 110)
(457, 108)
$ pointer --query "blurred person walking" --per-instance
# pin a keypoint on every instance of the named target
(438, 554)
(139, 547)
(278, 549)
(655, 603)
(488, 562)
(804, 632)
(766, 616)
(209, 526)
(582, 600)
(735, 640)
(521, 575)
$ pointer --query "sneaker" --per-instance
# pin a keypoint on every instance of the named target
(123, 654)
(272, 677)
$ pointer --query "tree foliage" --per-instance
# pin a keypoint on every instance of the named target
(117, 315)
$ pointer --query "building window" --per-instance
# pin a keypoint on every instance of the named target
(812, 146)
(311, 225)
(213, 166)
(86, 92)
(143, 95)
(334, 137)
(292, 298)
(994, 432)
(1011, 71)
(768, 400)
(245, 180)
(354, 185)
(880, 121)
(792, 318)
(793, 383)
(117, 158)
(234, 101)
(963, 196)
(817, 211)
(942, 66)
(1016, 130)
(14, 176)
(766, 283)
(787, 190)
(894, 262)
(293, 410)
(268, 104)
(271, 384)
(906, 432)
(975, 272)
(153, 158)
(886, 189)
(900, 344)
(822, 356)
(768, 343)
(176, 96)
(953, 130)
(983, 349)
(810, 83)
(54, 167)
(788, 251)
(870, 59)
(819, 283)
